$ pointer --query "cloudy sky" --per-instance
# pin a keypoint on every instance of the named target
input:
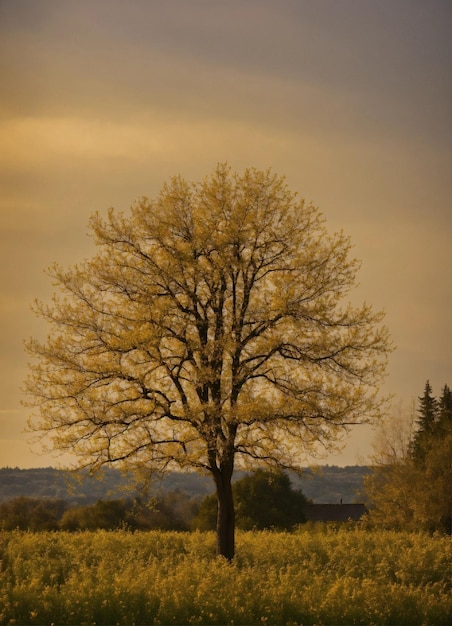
(103, 100)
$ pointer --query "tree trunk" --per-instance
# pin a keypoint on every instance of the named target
(225, 516)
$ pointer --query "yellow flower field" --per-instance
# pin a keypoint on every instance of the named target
(331, 577)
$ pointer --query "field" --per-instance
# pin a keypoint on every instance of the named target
(328, 577)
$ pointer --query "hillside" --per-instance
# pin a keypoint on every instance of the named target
(331, 484)
(328, 484)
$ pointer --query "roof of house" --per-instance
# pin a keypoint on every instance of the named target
(334, 512)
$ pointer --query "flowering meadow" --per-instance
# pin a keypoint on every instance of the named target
(324, 577)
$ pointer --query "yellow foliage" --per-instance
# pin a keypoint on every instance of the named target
(211, 328)
(211, 323)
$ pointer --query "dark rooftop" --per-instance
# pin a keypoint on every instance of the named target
(334, 512)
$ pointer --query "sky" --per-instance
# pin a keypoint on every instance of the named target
(104, 100)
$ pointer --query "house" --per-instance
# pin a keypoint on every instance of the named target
(334, 512)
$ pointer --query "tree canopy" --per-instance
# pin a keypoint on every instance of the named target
(209, 330)
(263, 499)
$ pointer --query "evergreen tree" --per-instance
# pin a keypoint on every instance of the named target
(444, 424)
(413, 490)
(426, 425)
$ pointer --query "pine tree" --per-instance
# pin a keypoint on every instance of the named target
(444, 423)
(426, 425)
(413, 491)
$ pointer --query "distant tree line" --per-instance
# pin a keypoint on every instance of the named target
(173, 511)
(263, 499)
(326, 484)
(410, 487)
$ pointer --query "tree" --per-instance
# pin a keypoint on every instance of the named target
(263, 499)
(426, 423)
(390, 487)
(106, 514)
(25, 513)
(267, 500)
(444, 424)
(206, 515)
(209, 330)
(410, 485)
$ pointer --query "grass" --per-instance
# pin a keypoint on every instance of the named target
(334, 577)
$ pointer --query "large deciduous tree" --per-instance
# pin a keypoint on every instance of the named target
(209, 329)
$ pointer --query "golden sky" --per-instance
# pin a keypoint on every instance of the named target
(103, 100)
